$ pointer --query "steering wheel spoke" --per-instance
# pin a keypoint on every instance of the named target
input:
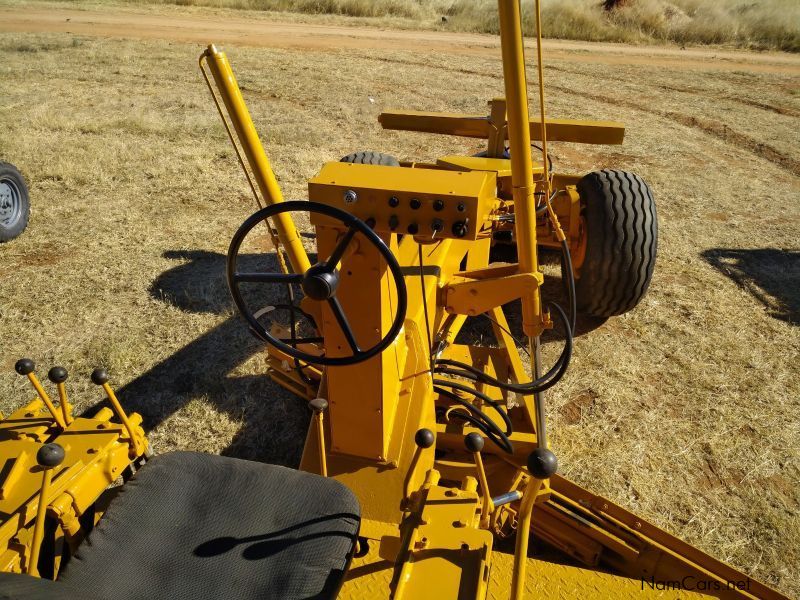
(344, 324)
(341, 246)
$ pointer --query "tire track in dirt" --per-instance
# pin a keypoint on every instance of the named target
(716, 129)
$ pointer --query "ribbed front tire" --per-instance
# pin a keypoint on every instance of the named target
(622, 237)
(366, 157)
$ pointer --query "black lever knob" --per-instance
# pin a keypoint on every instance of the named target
(473, 442)
(318, 405)
(542, 463)
(50, 455)
(57, 375)
(99, 376)
(424, 438)
(24, 366)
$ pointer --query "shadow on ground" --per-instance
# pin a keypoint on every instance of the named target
(274, 420)
(772, 276)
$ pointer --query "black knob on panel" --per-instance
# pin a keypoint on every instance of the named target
(57, 375)
(459, 229)
(413, 229)
(393, 222)
(415, 203)
(50, 455)
(24, 366)
(424, 438)
(461, 207)
(99, 376)
(394, 201)
(437, 225)
(438, 204)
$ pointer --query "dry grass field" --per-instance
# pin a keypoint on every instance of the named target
(685, 410)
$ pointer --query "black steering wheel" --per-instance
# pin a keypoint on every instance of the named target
(319, 283)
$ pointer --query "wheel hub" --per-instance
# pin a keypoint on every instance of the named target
(9, 203)
(320, 282)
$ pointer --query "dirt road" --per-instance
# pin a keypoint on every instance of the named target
(230, 28)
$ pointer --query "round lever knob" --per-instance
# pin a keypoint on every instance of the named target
(57, 375)
(424, 438)
(473, 442)
(542, 463)
(318, 405)
(50, 455)
(99, 376)
(24, 366)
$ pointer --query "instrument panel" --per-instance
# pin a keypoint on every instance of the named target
(428, 203)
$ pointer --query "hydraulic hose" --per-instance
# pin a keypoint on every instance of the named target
(479, 419)
(541, 384)
(472, 391)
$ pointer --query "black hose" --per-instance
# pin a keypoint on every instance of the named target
(472, 391)
(480, 420)
(540, 384)
(573, 303)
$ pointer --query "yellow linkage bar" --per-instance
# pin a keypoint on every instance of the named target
(256, 158)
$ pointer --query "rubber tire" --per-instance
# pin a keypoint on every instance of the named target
(10, 172)
(366, 157)
(622, 230)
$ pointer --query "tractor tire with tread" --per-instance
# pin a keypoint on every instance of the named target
(622, 237)
(15, 207)
(367, 157)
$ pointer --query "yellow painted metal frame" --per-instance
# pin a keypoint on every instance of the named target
(98, 451)
(480, 127)
(429, 529)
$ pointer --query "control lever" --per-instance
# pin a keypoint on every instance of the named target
(48, 457)
(58, 375)
(137, 445)
(424, 439)
(25, 366)
(542, 464)
(319, 406)
(474, 443)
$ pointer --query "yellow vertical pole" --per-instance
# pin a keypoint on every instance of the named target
(519, 141)
(256, 157)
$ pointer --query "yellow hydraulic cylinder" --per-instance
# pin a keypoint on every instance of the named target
(256, 157)
(519, 140)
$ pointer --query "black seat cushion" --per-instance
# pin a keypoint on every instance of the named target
(15, 586)
(192, 526)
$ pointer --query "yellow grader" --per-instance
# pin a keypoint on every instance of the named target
(426, 469)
